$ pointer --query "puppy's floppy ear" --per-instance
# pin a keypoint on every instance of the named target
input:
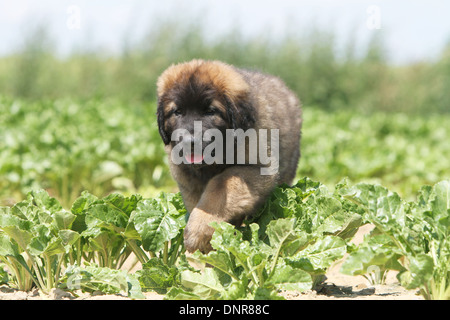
(160, 116)
(241, 113)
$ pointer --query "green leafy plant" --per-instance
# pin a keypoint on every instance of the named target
(35, 237)
(373, 259)
(411, 237)
(289, 244)
(4, 277)
(242, 269)
(67, 147)
(39, 239)
(92, 278)
(316, 210)
(105, 146)
(300, 233)
(156, 275)
(115, 226)
(159, 222)
(102, 224)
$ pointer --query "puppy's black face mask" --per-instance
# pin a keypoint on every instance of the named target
(195, 108)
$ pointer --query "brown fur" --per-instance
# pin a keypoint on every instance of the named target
(222, 76)
(244, 99)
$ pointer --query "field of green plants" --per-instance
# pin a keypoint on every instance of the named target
(102, 146)
(298, 234)
(53, 233)
(84, 181)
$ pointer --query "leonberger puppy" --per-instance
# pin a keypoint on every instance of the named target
(196, 96)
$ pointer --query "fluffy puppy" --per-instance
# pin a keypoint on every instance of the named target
(199, 95)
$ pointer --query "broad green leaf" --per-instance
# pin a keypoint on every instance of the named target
(383, 206)
(281, 231)
(24, 210)
(288, 278)
(419, 272)
(22, 237)
(134, 288)
(45, 242)
(63, 219)
(41, 199)
(218, 259)
(122, 203)
(319, 256)
(68, 237)
(157, 276)
(284, 238)
(331, 217)
(93, 278)
(153, 227)
(376, 252)
(441, 203)
(39, 246)
(437, 206)
(206, 284)
(112, 212)
(236, 290)
(227, 238)
(103, 240)
(7, 220)
(349, 224)
(130, 231)
(83, 202)
(307, 187)
(106, 215)
(7, 247)
(176, 293)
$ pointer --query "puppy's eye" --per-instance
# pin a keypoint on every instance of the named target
(210, 111)
(177, 112)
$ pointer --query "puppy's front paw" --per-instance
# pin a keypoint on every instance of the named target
(198, 233)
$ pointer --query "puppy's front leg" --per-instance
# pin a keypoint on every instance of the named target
(230, 196)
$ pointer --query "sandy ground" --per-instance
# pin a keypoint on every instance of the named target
(336, 287)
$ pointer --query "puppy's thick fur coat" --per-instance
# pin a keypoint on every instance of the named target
(225, 97)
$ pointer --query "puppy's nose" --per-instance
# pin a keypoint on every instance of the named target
(189, 141)
(192, 146)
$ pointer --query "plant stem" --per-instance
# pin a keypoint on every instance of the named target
(16, 273)
(173, 258)
(166, 252)
(140, 254)
(275, 260)
(40, 283)
(58, 267)
(48, 267)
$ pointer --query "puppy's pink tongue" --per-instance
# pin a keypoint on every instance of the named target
(194, 158)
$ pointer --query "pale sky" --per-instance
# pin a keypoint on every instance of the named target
(413, 29)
